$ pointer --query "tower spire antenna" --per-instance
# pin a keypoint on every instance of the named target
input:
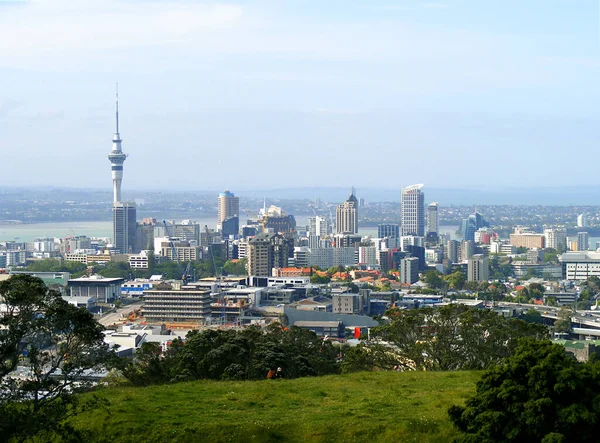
(117, 89)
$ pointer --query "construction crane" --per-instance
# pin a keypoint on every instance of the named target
(217, 275)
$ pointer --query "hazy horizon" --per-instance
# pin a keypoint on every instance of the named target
(244, 94)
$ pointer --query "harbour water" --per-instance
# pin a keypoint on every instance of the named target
(28, 232)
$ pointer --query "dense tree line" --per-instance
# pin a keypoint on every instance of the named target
(448, 338)
(246, 354)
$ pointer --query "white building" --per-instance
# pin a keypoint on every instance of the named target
(318, 226)
(139, 261)
(582, 221)
(556, 238)
(580, 265)
(413, 211)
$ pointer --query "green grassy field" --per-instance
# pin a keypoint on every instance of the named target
(366, 407)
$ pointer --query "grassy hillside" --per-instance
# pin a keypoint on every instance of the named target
(384, 406)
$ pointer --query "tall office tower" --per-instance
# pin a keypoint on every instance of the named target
(388, 230)
(478, 268)
(347, 216)
(471, 225)
(413, 211)
(582, 221)
(229, 206)
(318, 226)
(556, 238)
(433, 220)
(124, 227)
(583, 241)
(117, 158)
(467, 249)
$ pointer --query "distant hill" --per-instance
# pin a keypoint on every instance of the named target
(559, 196)
(373, 407)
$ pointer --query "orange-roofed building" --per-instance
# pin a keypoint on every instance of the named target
(292, 272)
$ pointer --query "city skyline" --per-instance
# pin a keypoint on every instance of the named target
(383, 79)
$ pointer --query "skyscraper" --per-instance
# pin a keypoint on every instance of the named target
(388, 230)
(318, 226)
(347, 216)
(583, 241)
(478, 268)
(124, 213)
(229, 206)
(433, 221)
(413, 211)
(124, 227)
(471, 225)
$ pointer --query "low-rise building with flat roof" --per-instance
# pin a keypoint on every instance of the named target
(104, 290)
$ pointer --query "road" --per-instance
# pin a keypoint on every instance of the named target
(583, 318)
(116, 317)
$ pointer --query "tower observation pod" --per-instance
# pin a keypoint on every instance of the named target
(117, 158)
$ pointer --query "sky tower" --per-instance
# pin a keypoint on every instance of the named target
(117, 158)
(124, 213)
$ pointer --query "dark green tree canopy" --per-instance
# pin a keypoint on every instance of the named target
(538, 394)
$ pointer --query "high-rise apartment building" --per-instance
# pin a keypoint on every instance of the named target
(409, 270)
(582, 221)
(124, 227)
(388, 230)
(229, 206)
(433, 219)
(318, 226)
(556, 238)
(583, 241)
(413, 211)
(265, 252)
(478, 268)
(347, 216)
(452, 249)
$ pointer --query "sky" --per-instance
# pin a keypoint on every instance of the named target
(271, 94)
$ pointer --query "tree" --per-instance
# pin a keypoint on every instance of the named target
(538, 394)
(56, 265)
(452, 337)
(563, 323)
(433, 279)
(58, 344)
(319, 279)
(235, 268)
(532, 316)
(230, 354)
(456, 280)
(550, 255)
